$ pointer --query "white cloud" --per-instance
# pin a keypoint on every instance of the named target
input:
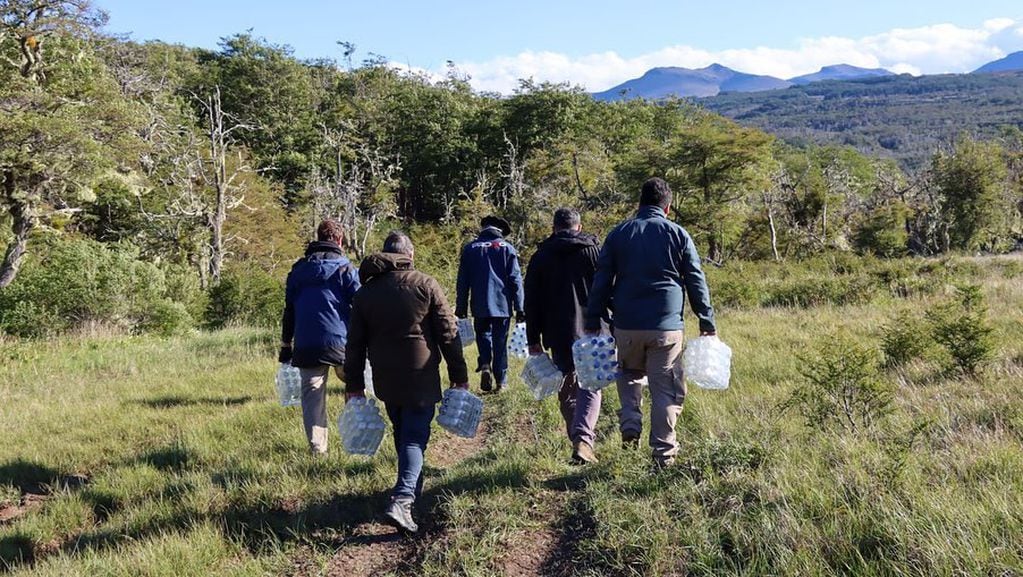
(926, 50)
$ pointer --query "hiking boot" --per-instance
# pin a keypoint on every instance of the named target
(662, 463)
(500, 387)
(398, 514)
(486, 381)
(582, 454)
(630, 440)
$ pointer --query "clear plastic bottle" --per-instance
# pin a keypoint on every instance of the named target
(466, 333)
(361, 426)
(541, 376)
(289, 385)
(596, 361)
(460, 412)
(519, 346)
(707, 362)
(367, 376)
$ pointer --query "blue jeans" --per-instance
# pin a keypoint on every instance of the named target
(411, 426)
(492, 342)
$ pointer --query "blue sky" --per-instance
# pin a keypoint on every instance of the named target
(600, 43)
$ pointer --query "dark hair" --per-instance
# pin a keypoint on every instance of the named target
(655, 193)
(398, 242)
(330, 230)
(566, 219)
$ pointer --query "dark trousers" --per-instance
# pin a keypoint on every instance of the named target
(579, 407)
(411, 434)
(492, 342)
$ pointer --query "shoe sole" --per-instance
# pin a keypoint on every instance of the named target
(486, 382)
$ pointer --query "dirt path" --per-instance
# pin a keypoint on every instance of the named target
(376, 549)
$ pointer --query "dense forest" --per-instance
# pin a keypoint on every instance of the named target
(902, 117)
(157, 187)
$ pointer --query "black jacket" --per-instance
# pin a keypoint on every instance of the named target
(557, 288)
(402, 323)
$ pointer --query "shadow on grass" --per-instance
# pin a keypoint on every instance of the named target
(170, 402)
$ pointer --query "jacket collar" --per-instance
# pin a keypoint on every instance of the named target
(490, 233)
(324, 246)
(380, 263)
(650, 211)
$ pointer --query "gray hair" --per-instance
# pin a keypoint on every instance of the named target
(398, 242)
(566, 219)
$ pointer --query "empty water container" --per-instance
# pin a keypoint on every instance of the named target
(289, 385)
(361, 426)
(519, 346)
(466, 333)
(707, 363)
(541, 376)
(596, 361)
(460, 412)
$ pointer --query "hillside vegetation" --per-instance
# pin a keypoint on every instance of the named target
(902, 117)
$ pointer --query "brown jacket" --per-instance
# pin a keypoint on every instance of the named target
(401, 319)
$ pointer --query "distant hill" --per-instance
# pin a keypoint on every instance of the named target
(684, 82)
(840, 72)
(1012, 62)
(902, 117)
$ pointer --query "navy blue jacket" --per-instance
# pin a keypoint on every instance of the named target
(489, 278)
(318, 304)
(641, 272)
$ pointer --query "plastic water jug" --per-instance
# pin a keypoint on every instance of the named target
(289, 385)
(596, 361)
(460, 412)
(361, 426)
(707, 363)
(519, 346)
(541, 376)
(466, 333)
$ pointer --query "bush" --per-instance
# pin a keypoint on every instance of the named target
(817, 291)
(904, 339)
(842, 388)
(67, 283)
(166, 318)
(961, 328)
(246, 297)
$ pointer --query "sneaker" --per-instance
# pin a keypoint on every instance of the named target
(582, 454)
(500, 387)
(630, 440)
(486, 381)
(399, 515)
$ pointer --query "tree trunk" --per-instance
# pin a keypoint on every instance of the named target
(218, 156)
(23, 221)
(773, 228)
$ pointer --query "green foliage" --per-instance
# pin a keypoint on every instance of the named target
(882, 232)
(842, 388)
(961, 327)
(969, 181)
(70, 283)
(246, 296)
(904, 339)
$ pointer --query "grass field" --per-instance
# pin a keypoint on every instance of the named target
(142, 456)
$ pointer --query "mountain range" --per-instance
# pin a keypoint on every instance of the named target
(716, 79)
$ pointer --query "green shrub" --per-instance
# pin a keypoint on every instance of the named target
(733, 292)
(246, 297)
(820, 290)
(904, 339)
(961, 327)
(166, 318)
(67, 283)
(842, 388)
(882, 232)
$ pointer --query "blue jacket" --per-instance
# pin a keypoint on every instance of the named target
(489, 273)
(318, 304)
(641, 272)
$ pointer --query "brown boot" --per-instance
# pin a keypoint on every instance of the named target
(582, 454)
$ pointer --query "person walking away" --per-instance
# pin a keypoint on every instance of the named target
(317, 304)
(557, 285)
(401, 322)
(647, 267)
(490, 280)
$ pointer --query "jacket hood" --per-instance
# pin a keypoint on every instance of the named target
(570, 241)
(324, 246)
(377, 264)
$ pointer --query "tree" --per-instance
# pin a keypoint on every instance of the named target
(970, 183)
(65, 121)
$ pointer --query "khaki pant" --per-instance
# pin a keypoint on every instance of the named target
(658, 356)
(314, 405)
